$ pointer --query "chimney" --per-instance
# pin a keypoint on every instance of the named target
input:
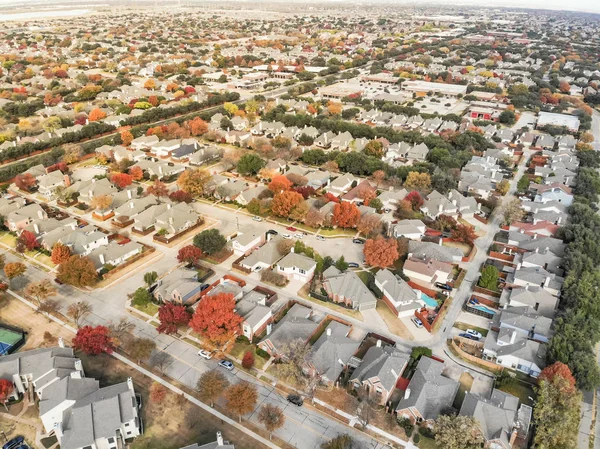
(40, 214)
(547, 281)
(379, 343)
(78, 365)
(537, 250)
(67, 181)
(219, 439)
(513, 337)
(407, 393)
(61, 342)
(129, 194)
(329, 332)
(535, 236)
(440, 241)
(130, 383)
(513, 437)
(101, 257)
(440, 208)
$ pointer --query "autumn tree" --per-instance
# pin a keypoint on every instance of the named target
(381, 252)
(158, 189)
(78, 271)
(512, 211)
(241, 398)
(6, 391)
(464, 234)
(502, 187)
(136, 173)
(101, 202)
(158, 393)
(40, 291)
(415, 200)
(230, 108)
(343, 441)
(314, 218)
(365, 192)
(14, 269)
(215, 319)
(334, 108)
(140, 349)
(418, 181)
(248, 359)
(171, 317)
(60, 253)
(557, 369)
(279, 184)
(271, 417)
(194, 181)
(93, 340)
(126, 138)
(28, 240)
(121, 180)
(179, 196)
(78, 311)
(96, 114)
(189, 254)
(378, 176)
(71, 153)
(457, 432)
(25, 181)
(197, 126)
(369, 225)
(284, 202)
(211, 386)
(150, 84)
(346, 215)
(374, 148)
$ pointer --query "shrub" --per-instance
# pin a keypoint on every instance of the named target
(273, 278)
(416, 438)
(242, 339)
(248, 360)
(426, 432)
(262, 353)
(407, 425)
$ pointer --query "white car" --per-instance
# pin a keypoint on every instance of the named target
(257, 218)
(205, 354)
(417, 322)
(299, 235)
(474, 333)
(286, 236)
(321, 238)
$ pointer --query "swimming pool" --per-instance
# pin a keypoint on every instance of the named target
(429, 300)
(483, 309)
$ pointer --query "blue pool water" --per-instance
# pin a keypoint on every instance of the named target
(484, 309)
(429, 300)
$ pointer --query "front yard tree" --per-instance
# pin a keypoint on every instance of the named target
(512, 211)
(489, 278)
(40, 291)
(271, 417)
(158, 189)
(381, 252)
(250, 164)
(248, 359)
(25, 181)
(14, 269)
(27, 240)
(140, 348)
(158, 392)
(374, 148)
(523, 184)
(171, 317)
(346, 215)
(464, 234)
(215, 318)
(121, 180)
(241, 398)
(121, 331)
(457, 432)
(284, 202)
(101, 202)
(210, 241)
(189, 254)
(78, 311)
(6, 390)
(418, 181)
(280, 184)
(60, 253)
(211, 386)
(93, 340)
(126, 138)
(150, 278)
(78, 271)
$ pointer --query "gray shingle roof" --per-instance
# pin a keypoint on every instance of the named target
(385, 363)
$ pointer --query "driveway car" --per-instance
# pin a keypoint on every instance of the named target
(352, 265)
(469, 336)
(138, 401)
(295, 399)
(321, 238)
(205, 354)
(417, 322)
(14, 442)
(443, 286)
(358, 241)
(474, 333)
(226, 364)
(257, 269)
(272, 232)
(257, 218)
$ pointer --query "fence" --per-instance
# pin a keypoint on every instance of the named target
(237, 266)
(167, 240)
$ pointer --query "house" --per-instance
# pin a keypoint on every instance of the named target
(324, 140)
(91, 188)
(252, 193)
(536, 277)
(467, 205)
(317, 179)
(390, 199)
(144, 142)
(297, 324)
(400, 297)
(229, 191)
(264, 257)
(256, 313)
(341, 141)
(180, 286)
(536, 298)
(428, 393)
(23, 216)
(427, 270)
(525, 321)
(353, 195)
(204, 155)
(73, 408)
(297, 266)
(435, 251)
(341, 184)
(410, 229)
(133, 207)
(378, 372)
(81, 241)
(552, 192)
(247, 239)
(347, 288)
(164, 148)
(437, 204)
(47, 184)
(220, 443)
(114, 254)
(418, 153)
(174, 218)
(331, 352)
(498, 417)
(510, 349)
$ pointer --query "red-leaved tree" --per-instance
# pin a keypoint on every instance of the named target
(25, 181)
(248, 360)
(415, 199)
(121, 180)
(305, 191)
(93, 340)
(28, 240)
(346, 215)
(215, 318)
(331, 197)
(284, 202)
(136, 173)
(464, 234)
(189, 254)
(6, 389)
(179, 196)
(557, 369)
(171, 317)
(381, 252)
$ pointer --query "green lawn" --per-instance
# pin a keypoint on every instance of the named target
(7, 239)
(150, 309)
(465, 326)
(427, 443)
(240, 348)
(364, 276)
(522, 390)
(338, 232)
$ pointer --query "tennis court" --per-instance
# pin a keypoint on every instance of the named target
(10, 339)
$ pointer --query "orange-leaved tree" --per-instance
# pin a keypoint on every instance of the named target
(381, 252)
(346, 215)
(284, 202)
(215, 318)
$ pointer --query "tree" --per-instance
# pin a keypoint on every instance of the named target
(210, 241)
(523, 184)
(334, 108)
(189, 254)
(161, 361)
(158, 189)
(6, 391)
(60, 253)
(503, 187)
(381, 252)
(343, 441)
(78, 271)
(230, 108)
(197, 126)
(101, 202)
(284, 202)
(248, 359)
(271, 417)
(378, 176)
(179, 196)
(150, 278)
(464, 234)
(489, 278)
(126, 138)
(507, 117)
(121, 180)
(140, 349)
(458, 432)
(415, 200)
(418, 181)
(314, 218)
(28, 240)
(136, 173)
(299, 212)
(72, 153)
(279, 184)
(374, 148)
(14, 269)
(25, 181)
(341, 264)
(512, 211)
(241, 398)
(93, 340)
(193, 181)
(78, 311)
(250, 164)
(346, 215)
(171, 317)
(157, 392)
(282, 143)
(211, 386)
(215, 318)
(121, 331)
(96, 114)
(365, 192)
(40, 291)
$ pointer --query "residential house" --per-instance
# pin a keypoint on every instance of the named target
(144, 142)
(534, 297)
(252, 193)
(435, 251)
(317, 179)
(525, 321)
(536, 277)
(180, 286)
(427, 270)
(510, 349)
(418, 153)
(81, 241)
(47, 184)
(297, 324)
(23, 216)
(400, 297)
(324, 140)
(342, 141)
(410, 229)
(467, 206)
(264, 257)
(91, 188)
(114, 254)
(437, 204)
(256, 313)
(390, 199)
(248, 238)
(297, 266)
(552, 192)
(341, 184)
(347, 288)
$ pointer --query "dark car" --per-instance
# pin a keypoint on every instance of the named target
(138, 401)
(358, 241)
(443, 286)
(272, 232)
(204, 287)
(58, 281)
(469, 336)
(352, 265)
(295, 399)
(17, 441)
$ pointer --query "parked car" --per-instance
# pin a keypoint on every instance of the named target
(443, 286)
(257, 218)
(358, 241)
(286, 236)
(204, 287)
(257, 269)
(272, 232)
(14, 442)
(226, 364)
(352, 265)
(205, 354)
(469, 336)
(321, 238)
(291, 228)
(474, 333)
(417, 322)
(295, 399)
(58, 281)
(299, 235)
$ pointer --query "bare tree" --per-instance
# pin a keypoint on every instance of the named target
(271, 417)
(40, 291)
(49, 306)
(78, 311)
(120, 330)
(161, 361)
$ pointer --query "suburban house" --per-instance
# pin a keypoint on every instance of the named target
(400, 297)
(552, 192)
(297, 266)
(341, 184)
(298, 323)
(435, 251)
(410, 229)
(73, 408)
(180, 286)
(80, 241)
(378, 372)
(247, 239)
(47, 184)
(533, 297)
(347, 288)
(114, 254)
(427, 270)
(536, 277)
(23, 216)
(332, 352)
(526, 321)
(174, 218)
(510, 349)
(220, 443)
(437, 204)
(255, 311)
(428, 393)
(264, 257)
